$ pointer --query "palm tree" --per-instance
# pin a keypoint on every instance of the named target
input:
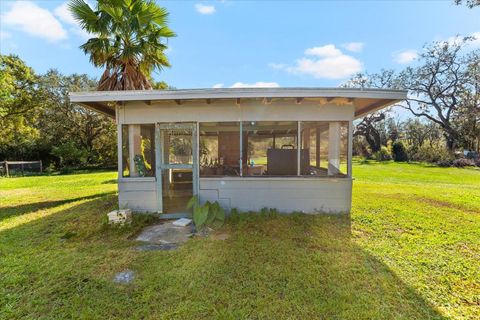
(128, 40)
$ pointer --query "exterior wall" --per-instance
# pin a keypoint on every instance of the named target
(309, 195)
(138, 194)
(286, 194)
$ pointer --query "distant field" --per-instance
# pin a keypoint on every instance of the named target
(409, 250)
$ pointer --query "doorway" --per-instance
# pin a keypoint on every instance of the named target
(177, 168)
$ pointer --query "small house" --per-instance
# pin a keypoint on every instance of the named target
(247, 148)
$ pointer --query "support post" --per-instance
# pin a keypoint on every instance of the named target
(317, 147)
(194, 159)
(6, 168)
(134, 147)
(241, 149)
(334, 136)
(299, 147)
(120, 150)
(350, 148)
(158, 168)
(41, 166)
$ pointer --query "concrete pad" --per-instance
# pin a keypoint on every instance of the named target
(157, 247)
(166, 233)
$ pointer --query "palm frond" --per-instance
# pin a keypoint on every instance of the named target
(129, 42)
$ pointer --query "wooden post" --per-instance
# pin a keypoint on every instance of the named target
(6, 168)
(41, 166)
(350, 148)
(158, 168)
(134, 141)
(241, 149)
(317, 147)
(120, 151)
(299, 147)
(334, 137)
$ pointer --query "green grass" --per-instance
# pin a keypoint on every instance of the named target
(410, 250)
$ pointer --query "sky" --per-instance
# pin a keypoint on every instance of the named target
(247, 43)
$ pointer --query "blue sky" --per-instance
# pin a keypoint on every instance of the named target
(263, 43)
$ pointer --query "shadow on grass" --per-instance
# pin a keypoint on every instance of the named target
(281, 267)
(112, 181)
(276, 267)
(7, 212)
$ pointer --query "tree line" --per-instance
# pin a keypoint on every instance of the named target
(39, 123)
(443, 105)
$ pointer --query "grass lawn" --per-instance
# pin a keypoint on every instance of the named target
(409, 250)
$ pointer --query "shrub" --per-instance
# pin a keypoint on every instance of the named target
(399, 152)
(463, 162)
(70, 155)
(431, 153)
(383, 154)
(477, 162)
(66, 170)
(50, 168)
(444, 163)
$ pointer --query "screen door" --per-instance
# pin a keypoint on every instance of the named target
(177, 178)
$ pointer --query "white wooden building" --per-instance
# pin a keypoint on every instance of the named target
(249, 148)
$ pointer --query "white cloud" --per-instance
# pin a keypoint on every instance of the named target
(204, 9)
(255, 85)
(328, 62)
(354, 46)
(405, 57)
(326, 51)
(475, 43)
(64, 14)
(4, 35)
(36, 21)
(218, 85)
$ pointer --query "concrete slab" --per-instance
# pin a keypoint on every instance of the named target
(157, 247)
(166, 233)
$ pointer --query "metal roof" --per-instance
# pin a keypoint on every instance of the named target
(366, 100)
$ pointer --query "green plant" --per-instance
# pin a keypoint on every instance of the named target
(66, 170)
(70, 155)
(463, 162)
(383, 154)
(50, 168)
(399, 151)
(268, 212)
(140, 165)
(435, 153)
(207, 215)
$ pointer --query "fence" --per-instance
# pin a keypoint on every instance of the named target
(8, 168)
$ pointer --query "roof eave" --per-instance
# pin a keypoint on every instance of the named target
(190, 94)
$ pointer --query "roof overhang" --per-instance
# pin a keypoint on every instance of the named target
(365, 100)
